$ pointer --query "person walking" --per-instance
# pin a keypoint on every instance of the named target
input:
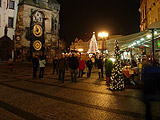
(151, 86)
(108, 70)
(100, 67)
(61, 66)
(55, 61)
(89, 65)
(35, 63)
(10, 64)
(93, 61)
(81, 67)
(42, 63)
(73, 65)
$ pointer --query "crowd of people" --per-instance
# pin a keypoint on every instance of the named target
(77, 65)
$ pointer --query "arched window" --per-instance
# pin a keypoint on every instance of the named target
(52, 24)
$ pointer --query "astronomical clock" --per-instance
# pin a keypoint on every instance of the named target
(37, 31)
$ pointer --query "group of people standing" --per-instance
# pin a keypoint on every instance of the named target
(78, 65)
(38, 61)
(75, 64)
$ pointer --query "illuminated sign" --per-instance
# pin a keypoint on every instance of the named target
(158, 42)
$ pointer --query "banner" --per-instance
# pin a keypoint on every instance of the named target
(7, 4)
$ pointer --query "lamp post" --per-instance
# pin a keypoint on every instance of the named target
(103, 36)
(80, 51)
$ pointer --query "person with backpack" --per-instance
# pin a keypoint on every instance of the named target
(73, 65)
(62, 65)
(151, 85)
(100, 67)
(42, 63)
(35, 63)
(89, 65)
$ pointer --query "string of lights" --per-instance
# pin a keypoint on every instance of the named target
(117, 80)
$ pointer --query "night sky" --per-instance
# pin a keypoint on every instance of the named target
(80, 17)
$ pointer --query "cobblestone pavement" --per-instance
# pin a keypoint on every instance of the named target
(22, 97)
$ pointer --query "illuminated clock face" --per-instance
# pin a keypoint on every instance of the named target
(37, 30)
(37, 45)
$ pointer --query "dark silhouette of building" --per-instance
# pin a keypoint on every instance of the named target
(6, 47)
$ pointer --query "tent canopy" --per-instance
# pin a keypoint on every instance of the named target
(136, 40)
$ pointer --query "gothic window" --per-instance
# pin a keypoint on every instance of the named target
(55, 20)
(11, 4)
(10, 22)
(52, 24)
(55, 27)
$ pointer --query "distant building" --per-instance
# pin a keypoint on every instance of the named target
(6, 47)
(37, 29)
(8, 16)
(149, 13)
(84, 43)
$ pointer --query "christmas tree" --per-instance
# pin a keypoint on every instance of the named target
(117, 80)
(93, 45)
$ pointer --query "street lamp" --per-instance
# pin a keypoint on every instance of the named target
(103, 35)
(80, 51)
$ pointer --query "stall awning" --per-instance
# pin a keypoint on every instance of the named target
(124, 41)
(133, 40)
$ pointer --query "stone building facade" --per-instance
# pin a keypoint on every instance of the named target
(149, 13)
(8, 15)
(41, 12)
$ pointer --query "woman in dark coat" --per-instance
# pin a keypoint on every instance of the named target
(89, 65)
(100, 67)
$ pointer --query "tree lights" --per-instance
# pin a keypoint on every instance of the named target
(117, 80)
(93, 45)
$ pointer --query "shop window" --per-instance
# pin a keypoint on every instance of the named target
(10, 22)
(11, 4)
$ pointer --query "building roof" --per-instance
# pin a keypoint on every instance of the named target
(40, 4)
(54, 1)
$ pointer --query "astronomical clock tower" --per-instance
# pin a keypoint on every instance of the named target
(37, 29)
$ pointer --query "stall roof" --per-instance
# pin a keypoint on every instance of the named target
(126, 41)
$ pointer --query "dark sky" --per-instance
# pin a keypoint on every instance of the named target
(78, 17)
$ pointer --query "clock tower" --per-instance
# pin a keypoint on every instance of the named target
(37, 29)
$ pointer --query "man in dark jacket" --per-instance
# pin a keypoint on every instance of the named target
(61, 66)
(35, 63)
(151, 86)
(89, 65)
(55, 61)
(73, 64)
(100, 67)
